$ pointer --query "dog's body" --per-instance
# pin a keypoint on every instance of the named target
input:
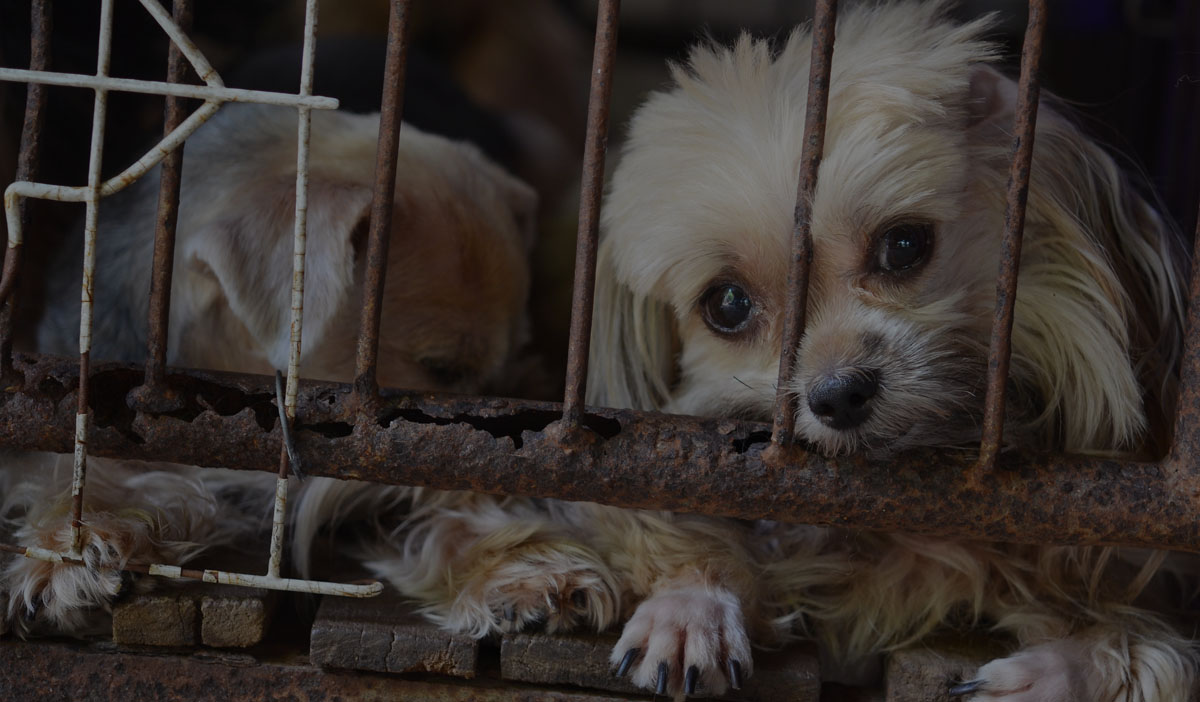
(906, 223)
(455, 293)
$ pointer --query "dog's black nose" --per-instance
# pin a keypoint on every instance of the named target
(843, 400)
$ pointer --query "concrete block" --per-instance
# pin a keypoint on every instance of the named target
(156, 620)
(384, 634)
(582, 660)
(924, 673)
(234, 619)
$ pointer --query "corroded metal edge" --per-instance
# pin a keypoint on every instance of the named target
(626, 458)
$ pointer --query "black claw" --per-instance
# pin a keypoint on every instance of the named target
(735, 674)
(579, 599)
(965, 688)
(125, 587)
(627, 661)
(689, 680)
(663, 671)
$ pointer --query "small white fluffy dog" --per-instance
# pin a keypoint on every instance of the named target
(907, 220)
(454, 307)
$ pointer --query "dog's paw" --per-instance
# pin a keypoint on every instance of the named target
(557, 601)
(65, 597)
(1051, 672)
(686, 640)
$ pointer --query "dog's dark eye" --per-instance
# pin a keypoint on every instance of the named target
(904, 246)
(726, 308)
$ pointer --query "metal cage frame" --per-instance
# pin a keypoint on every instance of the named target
(624, 458)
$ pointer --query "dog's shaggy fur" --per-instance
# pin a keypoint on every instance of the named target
(916, 159)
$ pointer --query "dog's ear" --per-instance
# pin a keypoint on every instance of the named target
(1099, 300)
(248, 249)
(991, 100)
(632, 360)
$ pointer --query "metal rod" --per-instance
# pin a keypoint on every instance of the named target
(1014, 225)
(596, 144)
(365, 381)
(299, 245)
(40, 17)
(168, 215)
(647, 460)
(824, 23)
(1185, 442)
(208, 575)
(87, 293)
(151, 87)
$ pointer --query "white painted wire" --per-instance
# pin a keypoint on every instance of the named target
(215, 94)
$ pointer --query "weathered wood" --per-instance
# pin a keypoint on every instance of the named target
(384, 634)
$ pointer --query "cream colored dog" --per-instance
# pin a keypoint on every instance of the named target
(906, 223)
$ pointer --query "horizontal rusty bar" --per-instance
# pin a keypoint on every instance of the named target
(630, 459)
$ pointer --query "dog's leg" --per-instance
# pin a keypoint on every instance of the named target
(1142, 661)
(130, 515)
(483, 566)
(691, 632)
(477, 564)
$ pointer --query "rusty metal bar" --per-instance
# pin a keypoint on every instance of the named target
(155, 390)
(1014, 225)
(638, 460)
(1185, 444)
(391, 114)
(40, 19)
(607, 18)
(824, 22)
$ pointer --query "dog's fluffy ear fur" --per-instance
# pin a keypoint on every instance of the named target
(1098, 275)
(249, 253)
(632, 361)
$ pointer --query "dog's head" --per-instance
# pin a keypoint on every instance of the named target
(907, 220)
(457, 269)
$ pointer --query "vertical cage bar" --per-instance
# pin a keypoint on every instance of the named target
(824, 23)
(27, 166)
(1014, 225)
(1186, 437)
(91, 217)
(366, 384)
(300, 241)
(168, 214)
(607, 17)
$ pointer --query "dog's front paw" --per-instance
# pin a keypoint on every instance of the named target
(66, 597)
(686, 640)
(1051, 672)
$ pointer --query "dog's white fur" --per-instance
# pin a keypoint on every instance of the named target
(919, 130)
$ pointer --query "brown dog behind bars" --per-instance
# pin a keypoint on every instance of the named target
(906, 224)
(454, 308)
